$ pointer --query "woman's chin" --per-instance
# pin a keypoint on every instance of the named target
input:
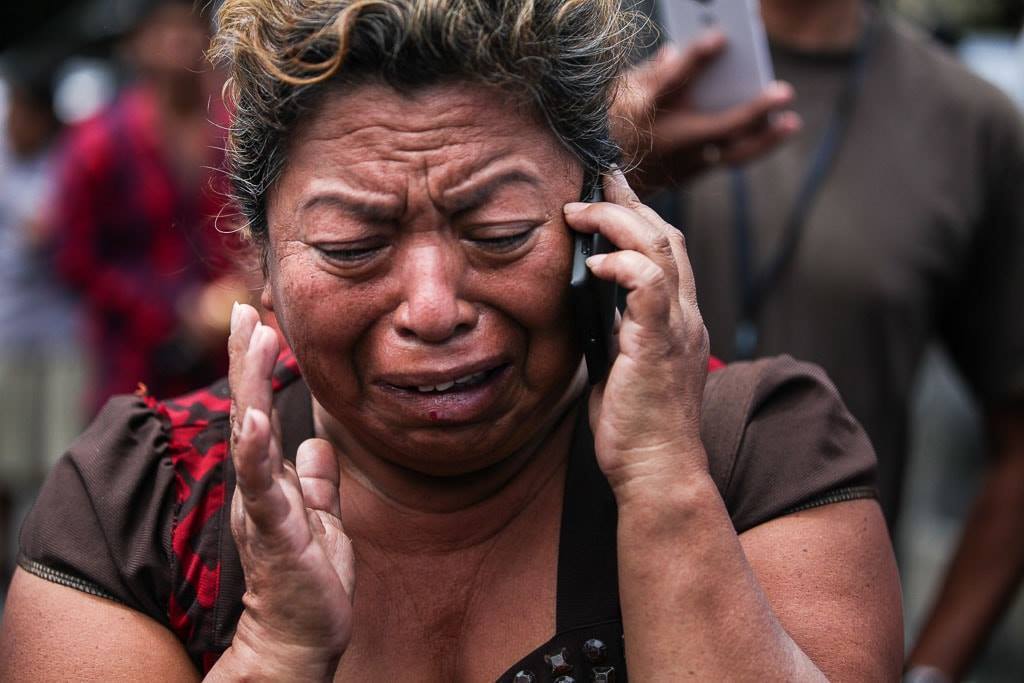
(466, 451)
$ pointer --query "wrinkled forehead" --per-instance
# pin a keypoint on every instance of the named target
(447, 132)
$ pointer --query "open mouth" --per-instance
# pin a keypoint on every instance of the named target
(459, 384)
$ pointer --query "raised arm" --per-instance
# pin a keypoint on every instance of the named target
(808, 596)
(286, 522)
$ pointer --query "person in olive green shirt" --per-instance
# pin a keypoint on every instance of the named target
(914, 232)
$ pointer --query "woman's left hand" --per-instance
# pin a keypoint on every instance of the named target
(646, 415)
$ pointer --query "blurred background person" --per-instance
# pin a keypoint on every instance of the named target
(128, 208)
(40, 365)
(949, 441)
(854, 248)
(137, 213)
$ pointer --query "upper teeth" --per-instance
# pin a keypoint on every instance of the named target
(475, 377)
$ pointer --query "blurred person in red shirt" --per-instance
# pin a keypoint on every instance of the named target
(40, 363)
(138, 209)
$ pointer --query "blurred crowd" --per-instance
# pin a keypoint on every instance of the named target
(120, 259)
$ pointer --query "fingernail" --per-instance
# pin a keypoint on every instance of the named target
(780, 89)
(255, 335)
(234, 316)
(574, 207)
(596, 260)
(711, 39)
(669, 51)
(790, 121)
(247, 423)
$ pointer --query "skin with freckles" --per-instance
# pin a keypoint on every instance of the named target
(427, 244)
(421, 246)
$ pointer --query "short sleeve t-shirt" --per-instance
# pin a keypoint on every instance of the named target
(136, 511)
(917, 232)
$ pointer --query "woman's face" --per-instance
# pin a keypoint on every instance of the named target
(419, 266)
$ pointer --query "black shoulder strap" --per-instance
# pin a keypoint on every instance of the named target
(588, 578)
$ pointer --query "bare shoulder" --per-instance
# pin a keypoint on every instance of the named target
(51, 632)
(831, 579)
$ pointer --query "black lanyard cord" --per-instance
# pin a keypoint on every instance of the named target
(755, 286)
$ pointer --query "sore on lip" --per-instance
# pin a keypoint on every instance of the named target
(459, 403)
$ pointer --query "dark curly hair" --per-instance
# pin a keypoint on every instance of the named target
(560, 56)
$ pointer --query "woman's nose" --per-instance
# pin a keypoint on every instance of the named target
(433, 309)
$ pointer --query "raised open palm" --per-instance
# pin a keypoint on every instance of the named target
(286, 520)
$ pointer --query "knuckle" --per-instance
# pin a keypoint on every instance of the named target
(697, 335)
(677, 239)
(662, 247)
(632, 202)
(237, 519)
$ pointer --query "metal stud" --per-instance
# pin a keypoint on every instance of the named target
(595, 651)
(559, 662)
(604, 674)
(524, 676)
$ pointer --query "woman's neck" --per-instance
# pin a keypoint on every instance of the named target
(398, 509)
(814, 25)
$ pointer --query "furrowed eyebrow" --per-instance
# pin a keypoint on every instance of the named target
(383, 208)
(468, 195)
(381, 211)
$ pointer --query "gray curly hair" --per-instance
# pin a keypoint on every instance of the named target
(560, 56)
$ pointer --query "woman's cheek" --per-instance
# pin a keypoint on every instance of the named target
(543, 308)
(539, 282)
(311, 308)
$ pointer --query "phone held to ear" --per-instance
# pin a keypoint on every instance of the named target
(593, 299)
(744, 69)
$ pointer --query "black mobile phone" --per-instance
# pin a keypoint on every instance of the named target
(593, 299)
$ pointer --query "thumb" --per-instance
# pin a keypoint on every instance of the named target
(338, 548)
(672, 68)
(316, 464)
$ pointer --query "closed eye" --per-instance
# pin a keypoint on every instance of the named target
(501, 242)
(350, 255)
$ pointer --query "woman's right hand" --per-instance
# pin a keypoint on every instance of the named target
(286, 521)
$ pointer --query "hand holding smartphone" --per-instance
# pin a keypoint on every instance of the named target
(743, 70)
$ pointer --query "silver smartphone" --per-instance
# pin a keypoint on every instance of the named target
(744, 69)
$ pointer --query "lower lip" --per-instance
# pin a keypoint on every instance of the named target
(460, 405)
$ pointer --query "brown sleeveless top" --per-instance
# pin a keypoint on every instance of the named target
(137, 510)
